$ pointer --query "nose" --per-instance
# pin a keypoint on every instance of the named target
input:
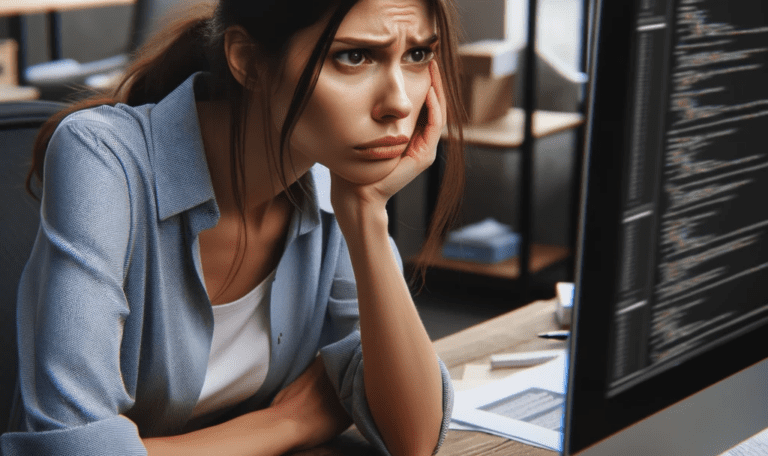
(393, 102)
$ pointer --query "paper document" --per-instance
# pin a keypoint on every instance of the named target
(757, 445)
(527, 406)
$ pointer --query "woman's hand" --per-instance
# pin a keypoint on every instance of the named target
(348, 198)
(303, 415)
(311, 403)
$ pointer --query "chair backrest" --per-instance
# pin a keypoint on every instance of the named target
(19, 220)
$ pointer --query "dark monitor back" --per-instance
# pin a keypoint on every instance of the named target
(671, 294)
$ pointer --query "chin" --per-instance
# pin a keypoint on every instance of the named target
(367, 172)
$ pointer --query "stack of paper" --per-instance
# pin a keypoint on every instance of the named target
(527, 406)
(757, 445)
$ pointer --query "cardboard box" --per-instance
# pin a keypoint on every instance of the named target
(488, 79)
(486, 98)
(8, 56)
(489, 58)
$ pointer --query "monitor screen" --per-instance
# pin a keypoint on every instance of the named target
(672, 268)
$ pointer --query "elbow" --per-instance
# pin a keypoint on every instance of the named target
(416, 450)
(416, 441)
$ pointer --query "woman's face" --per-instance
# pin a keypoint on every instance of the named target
(370, 91)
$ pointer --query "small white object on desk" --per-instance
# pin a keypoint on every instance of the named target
(524, 359)
(564, 303)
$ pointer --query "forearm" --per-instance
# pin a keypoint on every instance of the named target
(259, 433)
(403, 383)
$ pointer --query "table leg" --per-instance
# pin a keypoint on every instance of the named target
(54, 35)
(18, 31)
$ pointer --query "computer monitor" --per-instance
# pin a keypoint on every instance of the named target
(669, 349)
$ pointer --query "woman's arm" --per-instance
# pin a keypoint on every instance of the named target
(259, 433)
(403, 382)
(304, 414)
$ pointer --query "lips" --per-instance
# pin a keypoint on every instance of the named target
(384, 148)
(384, 142)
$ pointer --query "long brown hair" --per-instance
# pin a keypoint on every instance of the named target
(196, 43)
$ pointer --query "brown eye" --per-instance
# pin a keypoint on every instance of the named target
(354, 57)
(421, 55)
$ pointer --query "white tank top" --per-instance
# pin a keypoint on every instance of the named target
(239, 358)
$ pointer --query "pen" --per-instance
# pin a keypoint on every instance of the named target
(557, 335)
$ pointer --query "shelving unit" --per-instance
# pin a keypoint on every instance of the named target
(516, 132)
(506, 135)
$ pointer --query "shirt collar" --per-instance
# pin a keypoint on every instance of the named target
(182, 178)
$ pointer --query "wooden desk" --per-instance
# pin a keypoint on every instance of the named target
(508, 333)
(511, 332)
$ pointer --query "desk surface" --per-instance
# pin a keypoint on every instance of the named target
(44, 6)
(512, 332)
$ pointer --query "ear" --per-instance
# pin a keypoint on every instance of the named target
(240, 51)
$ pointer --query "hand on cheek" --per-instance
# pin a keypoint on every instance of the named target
(348, 197)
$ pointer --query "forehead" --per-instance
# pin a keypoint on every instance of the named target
(384, 17)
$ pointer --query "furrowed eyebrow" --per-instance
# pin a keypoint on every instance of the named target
(380, 44)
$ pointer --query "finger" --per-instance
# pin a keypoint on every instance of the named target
(427, 141)
(437, 83)
(302, 381)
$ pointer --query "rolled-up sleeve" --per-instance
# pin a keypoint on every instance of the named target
(344, 357)
(72, 308)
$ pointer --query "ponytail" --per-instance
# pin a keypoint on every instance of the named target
(159, 66)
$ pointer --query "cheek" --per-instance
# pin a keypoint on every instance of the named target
(332, 113)
(418, 87)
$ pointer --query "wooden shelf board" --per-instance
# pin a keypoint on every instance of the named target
(16, 93)
(507, 131)
(541, 257)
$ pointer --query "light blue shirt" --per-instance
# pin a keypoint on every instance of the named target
(113, 316)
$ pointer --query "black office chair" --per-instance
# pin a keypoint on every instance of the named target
(19, 220)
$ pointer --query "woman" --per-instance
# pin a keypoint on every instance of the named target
(195, 288)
